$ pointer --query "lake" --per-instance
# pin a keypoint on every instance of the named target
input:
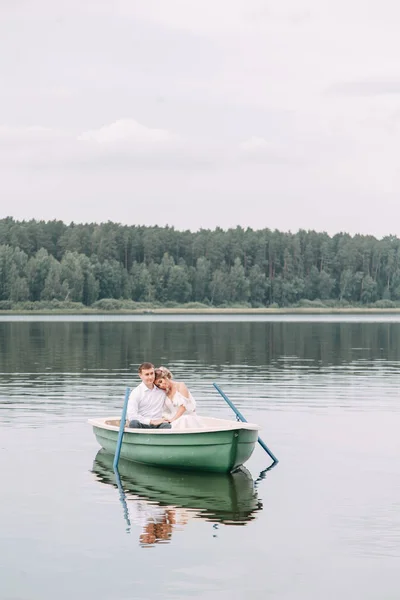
(323, 523)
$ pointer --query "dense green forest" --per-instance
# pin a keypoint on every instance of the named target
(49, 261)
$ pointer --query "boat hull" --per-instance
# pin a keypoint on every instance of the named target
(219, 450)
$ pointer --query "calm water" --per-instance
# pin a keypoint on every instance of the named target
(323, 524)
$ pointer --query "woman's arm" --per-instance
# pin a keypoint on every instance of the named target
(178, 413)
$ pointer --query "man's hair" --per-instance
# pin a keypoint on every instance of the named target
(144, 366)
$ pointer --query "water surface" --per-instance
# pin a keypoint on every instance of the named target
(324, 523)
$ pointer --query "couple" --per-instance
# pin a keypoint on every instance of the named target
(159, 402)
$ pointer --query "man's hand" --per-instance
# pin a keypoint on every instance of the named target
(157, 422)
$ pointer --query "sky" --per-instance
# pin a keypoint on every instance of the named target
(202, 113)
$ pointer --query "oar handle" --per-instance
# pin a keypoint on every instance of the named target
(241, 418)
(121, 429)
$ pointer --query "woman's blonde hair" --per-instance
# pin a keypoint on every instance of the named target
(163, 372)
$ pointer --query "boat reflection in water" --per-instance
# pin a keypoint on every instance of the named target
(161, 501)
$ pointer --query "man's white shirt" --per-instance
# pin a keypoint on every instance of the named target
(145, 405)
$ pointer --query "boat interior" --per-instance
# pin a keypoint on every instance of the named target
(209, 424)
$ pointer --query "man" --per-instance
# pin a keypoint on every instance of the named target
(146, 402)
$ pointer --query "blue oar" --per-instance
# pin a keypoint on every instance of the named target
(121, 429)
(122, 498)
(241, 418)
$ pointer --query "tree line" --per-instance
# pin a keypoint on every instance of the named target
(85, 263)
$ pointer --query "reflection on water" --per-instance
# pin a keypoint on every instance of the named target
(82, 347)
(49, 368)
(327, 398)
(161, 501)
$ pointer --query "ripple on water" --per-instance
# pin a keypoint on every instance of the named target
(360, 386)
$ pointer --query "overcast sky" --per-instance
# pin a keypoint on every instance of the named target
(202, 113)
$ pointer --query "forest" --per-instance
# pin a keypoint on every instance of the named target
(109, 265)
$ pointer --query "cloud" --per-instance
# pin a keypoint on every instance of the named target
(259, 150)
(128, 143)
(125, 143)
(129, 131)
(203, 99)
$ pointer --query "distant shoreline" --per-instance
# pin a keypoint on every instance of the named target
(205, 311)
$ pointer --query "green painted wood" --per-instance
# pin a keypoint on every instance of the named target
(214, 451)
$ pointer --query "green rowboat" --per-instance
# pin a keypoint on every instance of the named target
(220, 446)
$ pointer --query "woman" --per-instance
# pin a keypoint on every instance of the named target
(180, 405)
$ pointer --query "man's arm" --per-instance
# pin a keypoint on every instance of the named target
(133, 408)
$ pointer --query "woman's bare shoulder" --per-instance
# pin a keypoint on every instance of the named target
(182, 388)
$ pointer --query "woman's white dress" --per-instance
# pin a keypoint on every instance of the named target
(189, 419)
